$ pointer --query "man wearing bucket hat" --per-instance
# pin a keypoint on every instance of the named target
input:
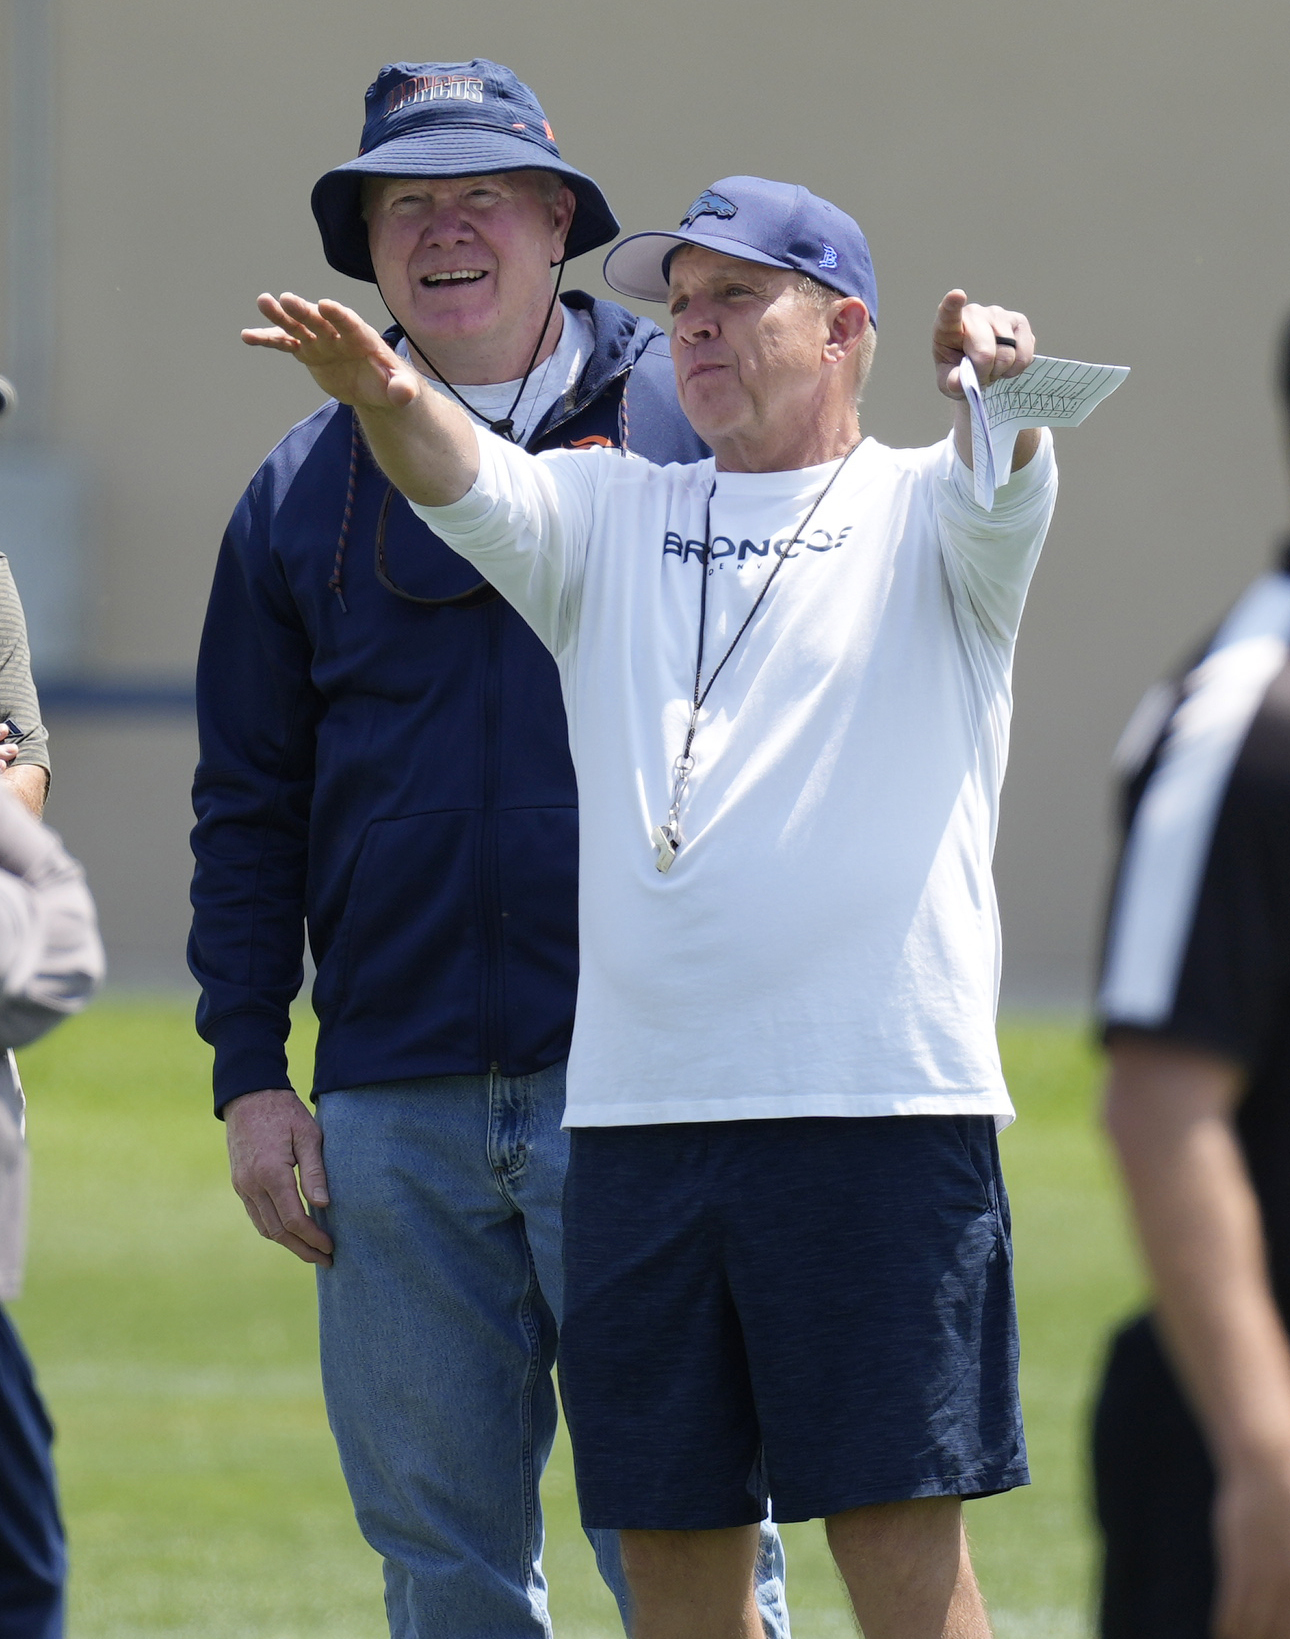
(384, 756)
(786, 672)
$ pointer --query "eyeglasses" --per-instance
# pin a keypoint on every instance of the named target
(471, 598)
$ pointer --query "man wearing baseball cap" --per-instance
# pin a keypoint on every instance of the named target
(384, 757)
(787, 677)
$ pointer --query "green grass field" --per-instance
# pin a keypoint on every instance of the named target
(177, 1352)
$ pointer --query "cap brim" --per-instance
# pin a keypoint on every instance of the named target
(635, 268)
(467, 150)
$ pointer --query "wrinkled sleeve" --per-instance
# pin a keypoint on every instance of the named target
(17, 691)
(990, 557)
(257, 716)
(525, 524)
(51, 961)
(51, 958)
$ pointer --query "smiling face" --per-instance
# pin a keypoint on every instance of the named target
(762, 368)
(464, 264)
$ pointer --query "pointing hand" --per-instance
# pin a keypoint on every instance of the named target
(346, 357)
(999, 342)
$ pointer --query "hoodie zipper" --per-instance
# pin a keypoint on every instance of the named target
(545, 432)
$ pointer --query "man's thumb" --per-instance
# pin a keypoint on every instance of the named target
(402, 388)
(313, 1177)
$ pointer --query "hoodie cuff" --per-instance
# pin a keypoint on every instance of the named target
(248, 1059)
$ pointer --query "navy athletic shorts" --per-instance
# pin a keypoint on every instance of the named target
(1155, 1493)
(818, 1310)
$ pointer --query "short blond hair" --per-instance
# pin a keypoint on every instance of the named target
(822, 297)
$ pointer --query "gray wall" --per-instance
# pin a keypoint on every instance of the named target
(1116, 169)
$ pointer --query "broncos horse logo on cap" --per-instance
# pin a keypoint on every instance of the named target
(708, 204)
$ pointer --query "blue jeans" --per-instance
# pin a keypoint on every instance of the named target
(438, 1323)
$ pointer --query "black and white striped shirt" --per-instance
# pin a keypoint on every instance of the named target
(1198, 938)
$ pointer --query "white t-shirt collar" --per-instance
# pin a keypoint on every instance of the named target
(551, 381)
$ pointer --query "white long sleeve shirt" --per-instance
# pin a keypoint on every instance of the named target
(827, 941)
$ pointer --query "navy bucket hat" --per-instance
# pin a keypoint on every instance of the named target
(448, 119)
(775, 223)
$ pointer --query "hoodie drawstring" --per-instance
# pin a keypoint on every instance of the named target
(355, 446)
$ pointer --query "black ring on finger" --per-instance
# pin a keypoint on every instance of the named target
(1005, 341)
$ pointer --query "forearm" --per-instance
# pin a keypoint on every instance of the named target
(427, 449)
(258, 721)
(237, 934)
(1213, 1297)
(1198, 1219)
(30, 782)
(1023, 453)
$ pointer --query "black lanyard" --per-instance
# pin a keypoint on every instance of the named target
(504, 427)
(667, 837)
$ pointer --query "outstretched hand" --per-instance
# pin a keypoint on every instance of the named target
(348, 359)
(999, 342)
(425, 445)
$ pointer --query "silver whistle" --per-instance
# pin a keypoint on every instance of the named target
(664, 848)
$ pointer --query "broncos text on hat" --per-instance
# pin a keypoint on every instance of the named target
(776, 223)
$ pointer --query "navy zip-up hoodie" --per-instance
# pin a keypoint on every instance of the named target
(396, 774)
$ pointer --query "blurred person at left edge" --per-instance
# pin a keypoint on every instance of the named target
(24, 740)
(24, 754)
(384, 759)
(51, 960)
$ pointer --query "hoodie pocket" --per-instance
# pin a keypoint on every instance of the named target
(410, 947)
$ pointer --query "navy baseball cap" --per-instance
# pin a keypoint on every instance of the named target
(448, 119)
(775, 223)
